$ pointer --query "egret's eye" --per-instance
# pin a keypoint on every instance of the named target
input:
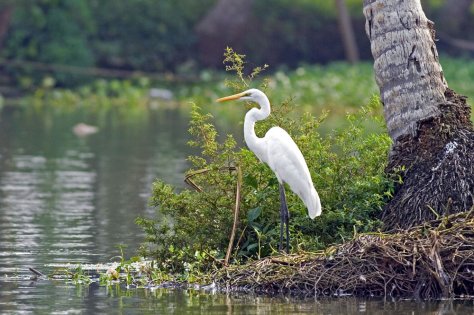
(247, 94)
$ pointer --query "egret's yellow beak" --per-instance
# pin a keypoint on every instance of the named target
(230, 98)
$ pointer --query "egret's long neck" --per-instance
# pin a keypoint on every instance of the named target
(252, 116)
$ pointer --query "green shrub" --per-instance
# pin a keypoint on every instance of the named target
(193, 227)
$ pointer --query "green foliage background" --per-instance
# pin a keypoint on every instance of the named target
(137, 34)
(145, 34)
(158, 36)
(50, 31)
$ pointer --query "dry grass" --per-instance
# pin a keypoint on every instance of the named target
(434, 260)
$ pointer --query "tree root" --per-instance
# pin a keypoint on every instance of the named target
(438, 176)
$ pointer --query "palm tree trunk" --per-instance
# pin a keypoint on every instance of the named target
(433, 139)
(406, 64)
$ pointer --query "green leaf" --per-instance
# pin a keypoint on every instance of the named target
(252, 246)
(254, 214)
(251, 181)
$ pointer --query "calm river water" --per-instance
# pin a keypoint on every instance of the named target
(70, 199)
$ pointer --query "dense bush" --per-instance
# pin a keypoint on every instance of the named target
(192, 227)
(146, 34)
(50, 31)
(137, 35)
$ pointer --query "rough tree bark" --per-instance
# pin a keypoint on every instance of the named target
(224, 25)
(433, 138)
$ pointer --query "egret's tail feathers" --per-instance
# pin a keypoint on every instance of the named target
(313, 204)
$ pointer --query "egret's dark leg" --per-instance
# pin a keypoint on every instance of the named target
(284, 219)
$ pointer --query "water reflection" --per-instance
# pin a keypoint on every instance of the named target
(70, 199)
(114, 300)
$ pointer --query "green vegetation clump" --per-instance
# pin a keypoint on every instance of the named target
(98, 95)
(192, 228)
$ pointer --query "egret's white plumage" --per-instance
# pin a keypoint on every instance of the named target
(289, 166)
(279, 151)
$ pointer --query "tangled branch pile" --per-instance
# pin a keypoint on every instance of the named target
(430, 261)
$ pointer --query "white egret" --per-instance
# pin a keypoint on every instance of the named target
(282, 155)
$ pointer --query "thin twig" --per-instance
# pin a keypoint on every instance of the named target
(36, 272)
(236, 215)
(190, 182)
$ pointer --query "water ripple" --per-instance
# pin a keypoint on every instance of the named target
(47, 210)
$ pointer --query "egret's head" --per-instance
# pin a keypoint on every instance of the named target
(252, 95)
